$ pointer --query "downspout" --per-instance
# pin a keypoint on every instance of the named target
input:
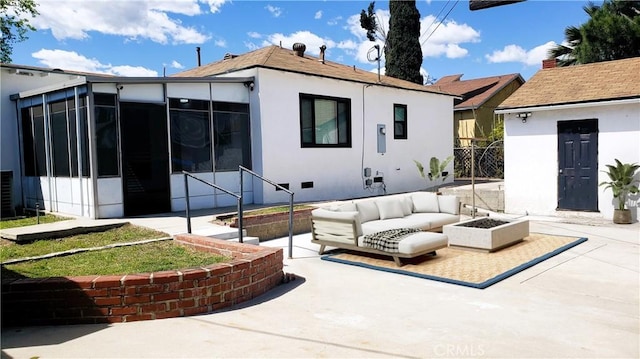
(362, 177)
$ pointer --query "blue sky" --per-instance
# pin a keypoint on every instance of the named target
(149, 38)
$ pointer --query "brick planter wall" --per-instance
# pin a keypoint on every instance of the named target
(126, 298)
(275, 225)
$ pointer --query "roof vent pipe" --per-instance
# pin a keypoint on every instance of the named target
(322, 49)
(198, 51)
(299, 48)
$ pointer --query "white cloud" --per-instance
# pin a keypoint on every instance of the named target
(221, 43)
(274, 10)
(131, 19)
(254, 35)
(176, 65)
(251, 46)
(132, 71)
(515, 53)
(312, 41)
(183, 7)
(510, 53)
(347, 45)
(334, 21)
(438, 39)
(71, 60)
(215, 5)
(318, 15)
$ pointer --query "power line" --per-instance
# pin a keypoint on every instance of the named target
(440, 23)
(436, 17)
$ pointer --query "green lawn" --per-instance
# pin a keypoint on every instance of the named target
(151, 257)
(144, 258)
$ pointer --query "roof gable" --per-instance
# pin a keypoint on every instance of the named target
(475, 92)
(278, 58)
(601, 81)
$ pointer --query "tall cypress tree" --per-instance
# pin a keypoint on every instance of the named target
(403, 52)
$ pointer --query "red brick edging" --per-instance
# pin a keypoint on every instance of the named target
(177, 293)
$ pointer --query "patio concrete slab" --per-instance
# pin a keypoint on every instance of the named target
(581, 303)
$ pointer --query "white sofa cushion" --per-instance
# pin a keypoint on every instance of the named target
(425, 202)
(407, 205)
(437, 220)
(390, 208)
(449, 204)
(368, 210)
(347, 207)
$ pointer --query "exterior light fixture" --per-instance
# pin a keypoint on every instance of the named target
(523, 116)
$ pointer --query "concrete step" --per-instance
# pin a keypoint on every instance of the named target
(247, 240)
(226, 233)
(219, 232)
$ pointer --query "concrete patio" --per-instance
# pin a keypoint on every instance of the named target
(582, 303)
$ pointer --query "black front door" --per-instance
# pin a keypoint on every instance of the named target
(145, 158)
(578, 165)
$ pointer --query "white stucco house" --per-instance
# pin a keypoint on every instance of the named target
(105, 147)
(562, 127)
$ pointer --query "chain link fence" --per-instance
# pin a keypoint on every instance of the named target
(489, 161)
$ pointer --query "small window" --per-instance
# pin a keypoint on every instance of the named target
(399, 122)
(325, 121)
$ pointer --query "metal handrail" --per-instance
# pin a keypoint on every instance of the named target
(186, 196)
(244, 169)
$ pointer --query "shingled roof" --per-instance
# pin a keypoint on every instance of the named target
(596, 82)
(278, 58)
(474, 92)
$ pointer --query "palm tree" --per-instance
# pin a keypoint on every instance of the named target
(564, 53)
(612, 32)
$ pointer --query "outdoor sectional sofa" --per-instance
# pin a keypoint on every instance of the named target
(346, 225)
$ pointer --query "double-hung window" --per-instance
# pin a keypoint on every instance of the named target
(325, 121)
(399, 122)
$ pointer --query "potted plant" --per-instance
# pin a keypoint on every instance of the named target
(622, 183)
(436, 169)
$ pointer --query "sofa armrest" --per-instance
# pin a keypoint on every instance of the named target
(342, 227)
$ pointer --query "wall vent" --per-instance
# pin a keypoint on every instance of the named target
(6, 187)
(306, 184)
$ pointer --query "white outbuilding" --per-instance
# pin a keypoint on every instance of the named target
(562, 127)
